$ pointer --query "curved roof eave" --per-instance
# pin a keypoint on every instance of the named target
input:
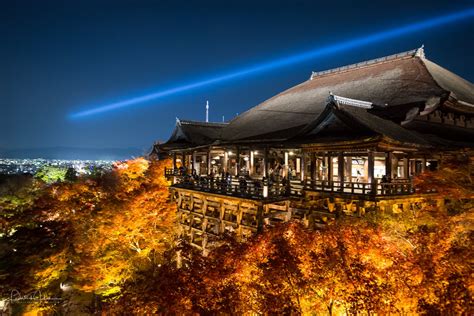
(380, 83)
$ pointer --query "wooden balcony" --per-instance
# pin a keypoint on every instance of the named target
(267, 189)
(396, 187)
(249, 188)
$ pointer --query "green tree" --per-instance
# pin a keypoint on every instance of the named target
(51, 174)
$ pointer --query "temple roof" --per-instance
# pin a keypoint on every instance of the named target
(398, 80)
(343, 121)
(194, 133)
(386, 96)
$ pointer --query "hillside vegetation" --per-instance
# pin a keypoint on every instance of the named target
(107, 244)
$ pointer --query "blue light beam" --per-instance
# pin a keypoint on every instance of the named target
(281, 62)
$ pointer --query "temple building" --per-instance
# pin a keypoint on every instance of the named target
(345, 142)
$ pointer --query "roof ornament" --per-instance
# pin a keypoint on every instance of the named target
(347, 101)
(410, 115)
(420, 52)
(178, 122)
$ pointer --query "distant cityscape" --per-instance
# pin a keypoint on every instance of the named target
(31, 166)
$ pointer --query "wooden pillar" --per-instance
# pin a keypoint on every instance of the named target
(423, 165)
(320, 165)
(226, 160)
(209, 159)
(412, 169)
(252, 162)
(303, 166)
(265, 162)
(348, 169)
(340, 170)
(370, 170)
(405, 168)
(394, 166)
(312, 166)
(285, 167)
(237, 162)
(389, 165)
(174, 161)
(329, 168)
(193, 160)
(247, 163)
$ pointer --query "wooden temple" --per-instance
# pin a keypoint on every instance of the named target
(347, 141)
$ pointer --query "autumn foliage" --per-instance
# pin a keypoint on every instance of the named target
(113, 236)
(352, 266)
(90, 235)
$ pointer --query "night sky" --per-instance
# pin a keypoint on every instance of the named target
(59, 57)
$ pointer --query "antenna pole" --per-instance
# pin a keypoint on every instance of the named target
(207, 111)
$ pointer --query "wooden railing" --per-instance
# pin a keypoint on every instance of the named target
(257, 188)
(396, 187)
(338, 186)
(249, 188)
(170, 172)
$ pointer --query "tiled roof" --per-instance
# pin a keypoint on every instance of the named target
(388, 87)
(390, 82)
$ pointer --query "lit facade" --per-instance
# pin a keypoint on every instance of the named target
(347, 141)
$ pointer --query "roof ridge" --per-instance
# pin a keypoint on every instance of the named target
(191, 122)
(417, 52)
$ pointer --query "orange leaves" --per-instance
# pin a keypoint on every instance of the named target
(454, 179)
(132, 169)
(351, 266)
(112, 235)
(128, 233)
(105, 228)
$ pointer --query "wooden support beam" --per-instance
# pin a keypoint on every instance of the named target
(193, 161)
(303, 166)
(389, 165)
(183, 160)
(412, 169)
(405, 168)
(174, 161)
(237, 162)
(260, 217)
(265, 162)
(209, 159)
(423, 164)
(313, 167)
(370, 170)
(226, 161)
(394, 166)
(252, 162)
(348, 168)
(329, 168)
(340, 170)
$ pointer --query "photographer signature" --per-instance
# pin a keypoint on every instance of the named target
(16, 296)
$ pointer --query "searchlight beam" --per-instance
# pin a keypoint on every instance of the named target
(282, 62)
